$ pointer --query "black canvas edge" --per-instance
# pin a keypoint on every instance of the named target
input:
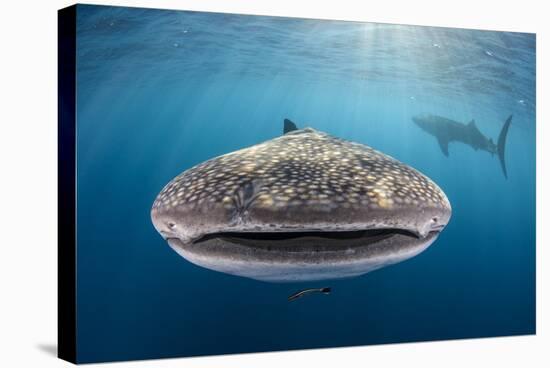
(66, 186)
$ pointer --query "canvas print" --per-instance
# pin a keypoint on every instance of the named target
(236, 183)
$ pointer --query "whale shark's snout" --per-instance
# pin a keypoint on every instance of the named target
(305, 206)
(422, 120)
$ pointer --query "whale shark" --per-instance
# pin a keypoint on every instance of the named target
(446, 131)
(303, 206)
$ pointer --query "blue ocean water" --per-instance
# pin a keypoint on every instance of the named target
(160, 91)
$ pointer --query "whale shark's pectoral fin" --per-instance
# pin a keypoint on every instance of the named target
(444, 145)
(289, 126)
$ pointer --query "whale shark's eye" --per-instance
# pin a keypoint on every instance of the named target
(434, 220)
(171, 225)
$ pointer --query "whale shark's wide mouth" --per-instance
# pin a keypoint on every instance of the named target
(305, 241)
(302, 256)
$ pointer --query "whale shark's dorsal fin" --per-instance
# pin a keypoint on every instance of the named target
(289, 126)
(444, 145)
(472, 124)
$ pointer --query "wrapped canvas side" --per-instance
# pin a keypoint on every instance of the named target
(66, 321)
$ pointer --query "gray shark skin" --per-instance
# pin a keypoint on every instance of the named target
(447, 131)
(301, 207)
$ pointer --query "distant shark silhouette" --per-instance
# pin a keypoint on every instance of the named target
(447, 130)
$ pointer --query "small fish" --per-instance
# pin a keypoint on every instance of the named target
(301, 293)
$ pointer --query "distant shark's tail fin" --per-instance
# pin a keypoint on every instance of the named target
(501, 145)
(289, 126)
